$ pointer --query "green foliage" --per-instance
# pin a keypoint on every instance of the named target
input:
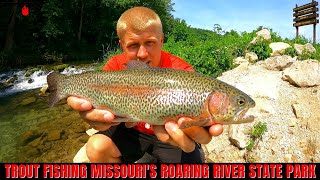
(298, 40)
(259, 129)
(291, 52)
(180, 31)
(52, 33)
(274, 36)
(261, 48)
(209, 52)
(250, 145)
(53, 57)
(53, 13)
(54, 26)
(4, 57)
(257, 132)
(316, 55)
(306, 55)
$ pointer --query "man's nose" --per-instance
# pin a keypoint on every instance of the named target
(142, 52)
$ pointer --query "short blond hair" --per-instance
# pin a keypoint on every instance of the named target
(138, 19)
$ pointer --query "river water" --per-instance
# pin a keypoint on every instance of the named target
(24, 114)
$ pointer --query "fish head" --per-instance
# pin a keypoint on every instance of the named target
(230, 107)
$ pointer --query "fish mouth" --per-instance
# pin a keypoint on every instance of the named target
(242, 117)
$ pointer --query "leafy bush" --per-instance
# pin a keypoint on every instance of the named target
(256, 134)
(261, 48)
(291, 52)
(306, 55)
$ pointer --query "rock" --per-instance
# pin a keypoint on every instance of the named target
(293, 122)
(10, 81)
(33, 152)
(83, 138)
(81, 156)
(300, 111)
(237, 136)
(29, 136)
(279, 63)
(251, 57)
(303, 73)
(43, 90)
(36, 142)
(44, 147)
(278, 48)
(288, 158)
(274, 98)
(262, 34)
(28, 101)
(240, 60)
(79, 129)
(307, 48)
(54, 135)
(30, 71)
(30, 81)
(91, 131)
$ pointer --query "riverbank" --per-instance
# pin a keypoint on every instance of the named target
(30, 131)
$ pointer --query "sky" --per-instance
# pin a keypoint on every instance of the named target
(244, 15)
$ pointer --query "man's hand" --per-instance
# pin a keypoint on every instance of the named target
(97, 118)
(186, 138)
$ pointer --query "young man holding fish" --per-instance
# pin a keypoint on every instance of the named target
(141, 38)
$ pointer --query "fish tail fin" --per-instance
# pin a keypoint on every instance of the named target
(55, 87)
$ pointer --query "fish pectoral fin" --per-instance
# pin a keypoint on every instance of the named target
(188, 122)
(129, 123)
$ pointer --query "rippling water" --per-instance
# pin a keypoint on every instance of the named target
(22, 109)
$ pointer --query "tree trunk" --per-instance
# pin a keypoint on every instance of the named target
(10, 33)
(80, 26)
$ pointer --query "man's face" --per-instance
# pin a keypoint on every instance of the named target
(144, 46)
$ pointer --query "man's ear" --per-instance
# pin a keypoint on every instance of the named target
(120, 43)
(162, 38)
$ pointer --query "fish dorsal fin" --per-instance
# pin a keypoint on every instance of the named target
(136, 64)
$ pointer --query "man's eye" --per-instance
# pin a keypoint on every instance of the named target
(133, 45)
(149, 43)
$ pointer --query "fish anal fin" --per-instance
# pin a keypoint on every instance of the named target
(130, 124)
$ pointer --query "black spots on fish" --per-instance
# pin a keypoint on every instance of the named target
(231, 111)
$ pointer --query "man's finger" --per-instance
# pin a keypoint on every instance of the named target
(163, 136)
(78, 103)
(179, 137)
(97, 115)
(100, 126)
(216, 129)
(198, 134)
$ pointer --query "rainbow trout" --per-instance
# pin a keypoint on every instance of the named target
(154, 95)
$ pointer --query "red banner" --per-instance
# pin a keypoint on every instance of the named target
(149, 171)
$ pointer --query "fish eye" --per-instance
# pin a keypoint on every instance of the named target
(241, 101)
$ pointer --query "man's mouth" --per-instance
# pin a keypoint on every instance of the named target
(145, 61)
